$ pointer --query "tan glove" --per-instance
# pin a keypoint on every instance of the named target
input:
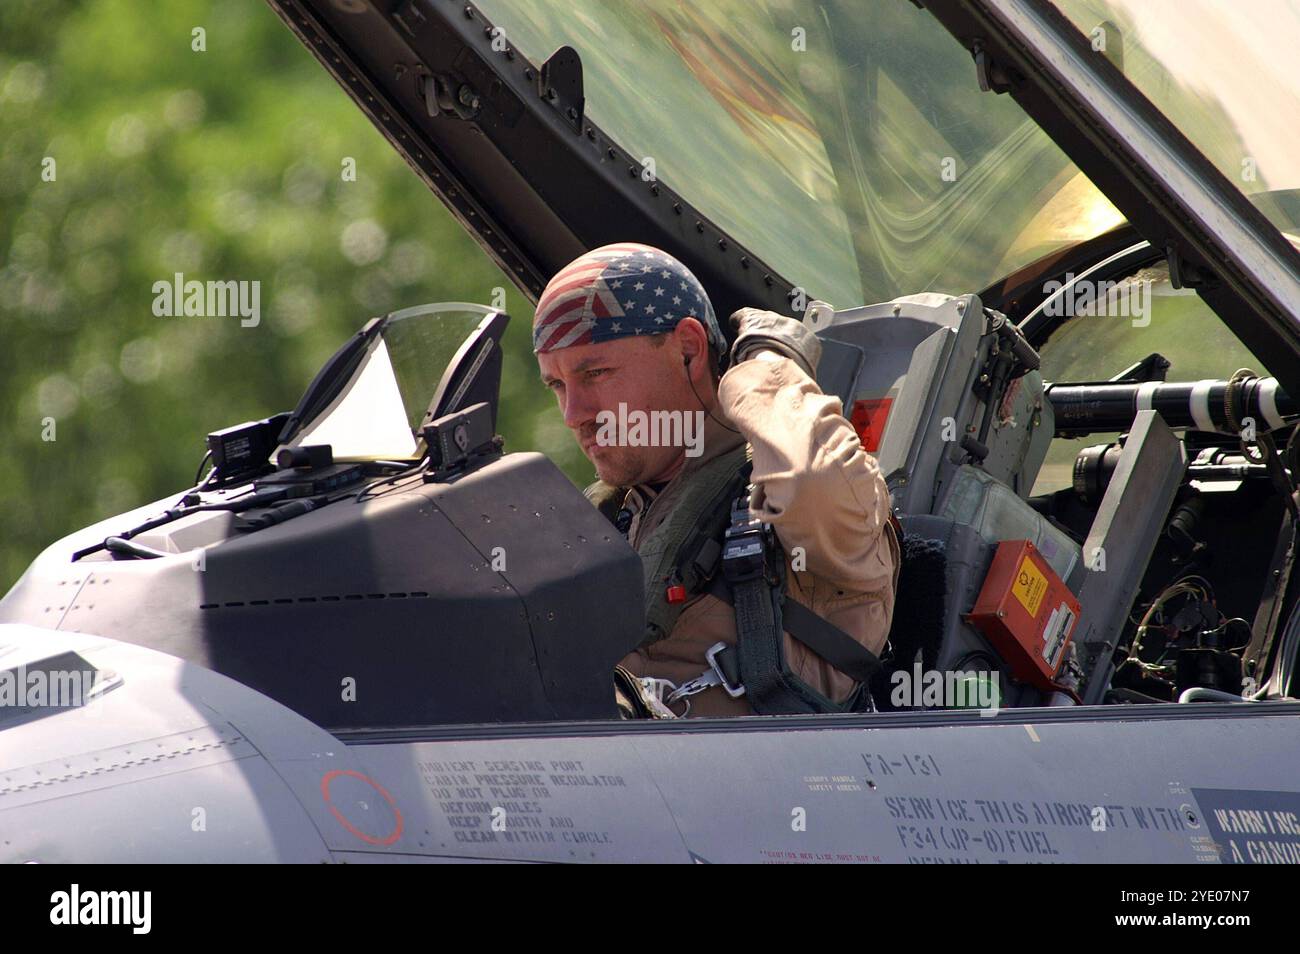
(757, 330)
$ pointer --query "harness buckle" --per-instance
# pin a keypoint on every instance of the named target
(735, 691)
(713, 676)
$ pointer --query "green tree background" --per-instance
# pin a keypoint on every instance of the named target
(223, 164)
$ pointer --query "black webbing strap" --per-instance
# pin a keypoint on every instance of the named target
(753, 581)
(830, 642)
(824, 638)
(760, 653)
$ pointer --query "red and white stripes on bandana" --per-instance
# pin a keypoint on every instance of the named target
(619, 291)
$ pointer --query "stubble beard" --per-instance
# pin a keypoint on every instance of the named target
(618, 466)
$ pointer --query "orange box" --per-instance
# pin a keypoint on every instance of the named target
(1027, 612)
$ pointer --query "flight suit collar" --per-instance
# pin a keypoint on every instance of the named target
(648, 507)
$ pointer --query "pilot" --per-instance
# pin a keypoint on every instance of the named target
(626, 338)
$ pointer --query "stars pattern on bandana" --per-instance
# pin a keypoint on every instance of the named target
(619, 291)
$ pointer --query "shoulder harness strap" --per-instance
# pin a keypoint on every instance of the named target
(753, 581)
(709, 530)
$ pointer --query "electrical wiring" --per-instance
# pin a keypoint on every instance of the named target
(1194, 585)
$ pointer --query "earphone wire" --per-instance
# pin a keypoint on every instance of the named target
(687, 365)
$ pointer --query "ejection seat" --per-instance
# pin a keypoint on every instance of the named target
(958, 472)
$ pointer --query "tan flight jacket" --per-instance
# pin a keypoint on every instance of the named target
(821, 492)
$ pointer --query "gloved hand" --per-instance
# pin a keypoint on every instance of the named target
(757, 329)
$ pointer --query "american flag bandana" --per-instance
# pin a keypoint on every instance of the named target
(618, 291)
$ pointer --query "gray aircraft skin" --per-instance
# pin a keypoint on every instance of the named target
(179, 764)
(325, 661)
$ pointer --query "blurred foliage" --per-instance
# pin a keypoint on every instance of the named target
(222, 165)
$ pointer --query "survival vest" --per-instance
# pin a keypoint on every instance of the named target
(710, 542)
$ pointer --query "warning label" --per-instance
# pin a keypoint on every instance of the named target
(1252, 827)
(1030, 586)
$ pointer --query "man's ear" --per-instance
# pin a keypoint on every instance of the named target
(692, 339)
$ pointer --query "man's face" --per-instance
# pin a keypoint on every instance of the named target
(589, 379)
